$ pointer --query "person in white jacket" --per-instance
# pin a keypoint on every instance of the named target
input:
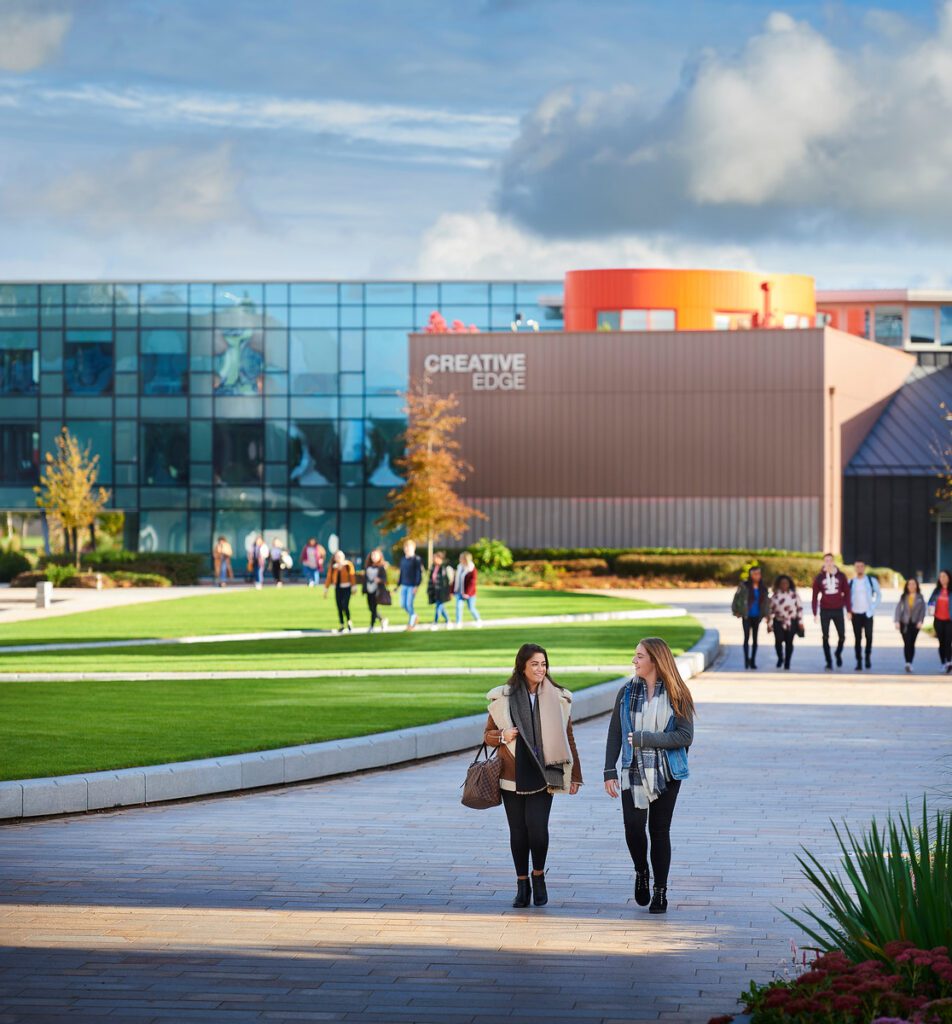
(865, 595)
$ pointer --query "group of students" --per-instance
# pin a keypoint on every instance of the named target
(836, 598)
(651, 729)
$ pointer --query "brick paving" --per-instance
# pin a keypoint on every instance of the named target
(379, 898)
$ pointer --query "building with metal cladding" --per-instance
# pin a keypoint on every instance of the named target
(676, 408)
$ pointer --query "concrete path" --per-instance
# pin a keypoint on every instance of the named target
(379, 898)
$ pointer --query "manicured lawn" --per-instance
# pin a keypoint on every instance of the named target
(584, 643)
(272, 609)
(61, 728)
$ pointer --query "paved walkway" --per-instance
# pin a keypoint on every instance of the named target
(379, 898)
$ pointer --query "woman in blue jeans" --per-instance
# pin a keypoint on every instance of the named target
(464, 587)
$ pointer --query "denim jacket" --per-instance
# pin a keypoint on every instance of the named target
(677, 736)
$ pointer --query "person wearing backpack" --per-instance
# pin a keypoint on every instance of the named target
(865, 595)
(439, 587)
(831, 595)
(751, 605)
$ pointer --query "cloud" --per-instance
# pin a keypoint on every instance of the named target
(166, 191)
(485, 245)
(789, 137)
(29, 37)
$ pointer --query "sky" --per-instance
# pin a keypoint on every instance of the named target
(230, 139)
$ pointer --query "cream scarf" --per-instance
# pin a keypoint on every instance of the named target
(555, 741)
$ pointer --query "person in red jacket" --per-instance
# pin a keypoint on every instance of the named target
(831, 591)
(464, 587)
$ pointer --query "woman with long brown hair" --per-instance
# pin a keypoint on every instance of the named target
(530, 722)
(652, 727)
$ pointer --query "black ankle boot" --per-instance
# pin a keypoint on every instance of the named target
(642, 890)
(659, 900)
(522, 893)
(540, 895)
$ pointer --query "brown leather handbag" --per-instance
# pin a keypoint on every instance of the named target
(481, 786)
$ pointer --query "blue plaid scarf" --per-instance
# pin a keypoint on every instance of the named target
(645, 764)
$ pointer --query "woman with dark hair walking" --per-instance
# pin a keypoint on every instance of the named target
(909, 615)
(940, 608)
(530, 722)
(751, 605)
(652, 727)
(785, 619)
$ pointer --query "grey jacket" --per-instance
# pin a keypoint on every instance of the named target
(907, 616)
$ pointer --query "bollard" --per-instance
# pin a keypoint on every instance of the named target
(44, 594)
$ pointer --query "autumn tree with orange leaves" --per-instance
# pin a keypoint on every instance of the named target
(427, 505)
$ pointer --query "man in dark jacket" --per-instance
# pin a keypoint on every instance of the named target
(831, 592)
(411, 576)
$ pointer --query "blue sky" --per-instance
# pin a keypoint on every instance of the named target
(213, 139)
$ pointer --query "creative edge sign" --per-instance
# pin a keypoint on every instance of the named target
(492, 371)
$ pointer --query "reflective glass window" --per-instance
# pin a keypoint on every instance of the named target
(163, 295)
(276, 294)
(351, 384)
(164, 362)
(464, 293)
(608, 320)
(277, 316)
(98, 435)
(384, 447)
(89, 316)
(14, 317)
(501, 317)
(388, 292)
(89, 294)
(386, 359)
(352, 293)
(634, 320)
(351, 316)
(276, 351)
(391, 316)
(504, 293)
(319, 293)
(87, 367)
(163, 530)
(239, 527)
(51, 295)
(351, 351)
(19, 454)
(238, 452)
(945, 325)
(175, 317)
(427, 294)
(314, 316)
(203, 294)
(164, 454)
(242, 294)
(922, 325)
(238, 361)
(313, 359)
(19, 363)
(889, 326)
(662, 320)
(313, 453)
(19, 295)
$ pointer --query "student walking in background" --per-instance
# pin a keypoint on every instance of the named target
(221, 557)
(439, 586)
(464, 587)
(280, 560)
(865, 595)
(257, 560)
(831, 594)
(312, 561)
(942, 619)
(652, 726)
(342, 577)
(530, 722)
(375, 588)
(751, 605)
(411, 576)
(909, 615)
(785, 619)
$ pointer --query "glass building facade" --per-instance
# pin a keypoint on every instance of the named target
(232, 408)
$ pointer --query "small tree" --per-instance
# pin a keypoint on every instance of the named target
(68, 490)
(427, 505)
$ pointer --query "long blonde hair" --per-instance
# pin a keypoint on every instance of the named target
(682, 703)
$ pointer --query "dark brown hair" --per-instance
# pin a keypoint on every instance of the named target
(525, 652)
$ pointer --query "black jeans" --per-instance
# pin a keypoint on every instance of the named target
(863, 625)
(943, 632)
(342, 594)
(909, 634)
(783, 641)
(751, 628)
(836, 616)
(372, 605)
(657, 816)
(528, 828)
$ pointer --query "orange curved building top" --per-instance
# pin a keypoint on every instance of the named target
(686, 300)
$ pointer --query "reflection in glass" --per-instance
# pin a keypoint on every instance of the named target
(238, 452)
(19, 364)
(313, 362)
(98, 436)
(608, 320)
(386, 359)
(238, 361)
(922, 325)
(164, 454)
(313, 453)
(352, 440)
(164, 362)
(945, 325)
(19, 454)
(889, 326)
(87, 367)
(162, 530)
(384, 447)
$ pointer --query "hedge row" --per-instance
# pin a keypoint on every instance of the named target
(181, 570)
(89, 580)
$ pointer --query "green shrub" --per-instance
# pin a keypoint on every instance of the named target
(490, 554)
(898, 885)
(593, 566)
(724, 569)
(123, 578)
(12, 563)
(183, 570)
(58, 575)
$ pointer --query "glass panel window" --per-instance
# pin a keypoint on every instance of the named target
(163, 530)
(468, 316)
(661, 319)
(313, 362)
(15, 317)
(608, 320)
(314, 294)
(238, 361)
(314, 316)
(945, 325)
(313, 453)
(19, 454)
(89, 294)
(276, 294)
(922, 325)
(88, 367)
(889, 326)
(238, 452)
(386, 292)
(98, 436)
(427, 295)
(249, 296)
(386, 358)
(351, 351)
(351, 441)
(164, 448)
(384, 447)
(352, 294)
(19, 295)
(464, 293)
(634, 319)
(391, 316)
(164, 362)
(163, 294)
(19, 363)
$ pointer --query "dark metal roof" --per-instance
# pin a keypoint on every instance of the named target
(912, 433)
